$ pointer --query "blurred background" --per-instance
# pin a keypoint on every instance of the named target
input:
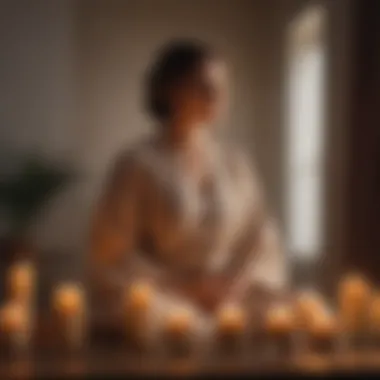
(305, 96)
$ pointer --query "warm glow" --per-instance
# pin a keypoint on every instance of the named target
(139, 296)
(13, 317)
(179, 322)
(68, 299)
(324, 324)
(231, 319)
(354, 295)
(279, 319)
(308, 306)
(21, 278)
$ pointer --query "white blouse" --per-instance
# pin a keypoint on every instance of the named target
(174, 224)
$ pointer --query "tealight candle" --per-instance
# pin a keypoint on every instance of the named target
(69, 306)
(21, 281)
(15, 324)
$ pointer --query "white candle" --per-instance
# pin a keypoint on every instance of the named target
(15, 324)
(69, 306)
(21, 281)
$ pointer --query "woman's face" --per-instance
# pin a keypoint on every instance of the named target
(201, 97)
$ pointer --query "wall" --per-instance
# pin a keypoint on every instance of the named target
(364, 180)
(72, 85)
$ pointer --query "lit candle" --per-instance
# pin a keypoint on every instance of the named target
(231, 320)
(324, 325)
(354, 295)
(179, 330)
(21, 281)
(15, 324)
(308, 305)
(179, 323)
(278, 329)
(140, 302)
(69, 306)
(279, 320)
(139, 297)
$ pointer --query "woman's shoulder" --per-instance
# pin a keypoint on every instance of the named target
(135, 154)
(129, 162)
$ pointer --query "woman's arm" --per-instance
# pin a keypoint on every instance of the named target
(113, 237)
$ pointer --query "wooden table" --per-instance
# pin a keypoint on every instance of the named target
(110, 357)
(106, 363)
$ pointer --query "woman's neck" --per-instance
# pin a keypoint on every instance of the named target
(185, 137)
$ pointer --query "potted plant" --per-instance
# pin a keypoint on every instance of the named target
(23, 195)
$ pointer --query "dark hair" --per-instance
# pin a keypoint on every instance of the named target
(174, 62)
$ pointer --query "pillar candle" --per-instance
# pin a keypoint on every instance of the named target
(354, 296)
(279, 320)
(15, 323)
(231, 320)
(69, 306)
(21, 281)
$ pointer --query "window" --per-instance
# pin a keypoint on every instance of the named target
(305, 133)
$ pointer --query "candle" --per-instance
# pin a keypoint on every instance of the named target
(69, 299)
(324, 325)
(179, 323)
(139, 296)
(354, 295)
(279, 320)
(15, 324)
(21, 281)
(179, 331)
(308, 305)
(231, 320)
(69, 306)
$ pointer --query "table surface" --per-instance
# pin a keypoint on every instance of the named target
(115, 362)
(109, 356)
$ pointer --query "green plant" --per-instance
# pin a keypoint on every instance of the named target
(24, 193)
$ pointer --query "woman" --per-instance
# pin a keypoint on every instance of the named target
(184, 209)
